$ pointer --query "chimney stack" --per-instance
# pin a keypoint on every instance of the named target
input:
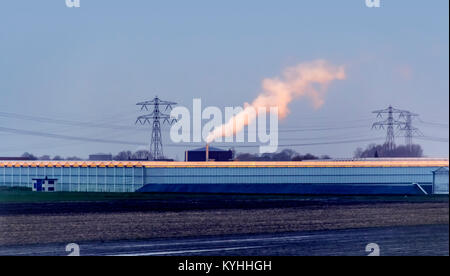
(207, 152)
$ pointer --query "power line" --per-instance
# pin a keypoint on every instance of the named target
(347, 136)
(99, 140)
(329, 143)
(434, 139)
(126, 127)
(286, 145)
(325, 124)
(434, 124)
(64, 122)
(143, 118)
(67, 137)
(321, 129)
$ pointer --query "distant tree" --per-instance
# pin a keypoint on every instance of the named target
(247, 157)
(29, 156)
(375, 151)
(297, 158)
(307, 156)
(74, 158)
(142, 155)
(284, 155)
(123, 156)
(45, 157)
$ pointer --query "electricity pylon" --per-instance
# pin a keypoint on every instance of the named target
(390, 124)
(404, 124)
(408, 128)
(154, 118)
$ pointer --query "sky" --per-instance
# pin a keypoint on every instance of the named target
(79, 72)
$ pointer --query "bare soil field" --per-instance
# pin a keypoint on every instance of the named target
(61, 222)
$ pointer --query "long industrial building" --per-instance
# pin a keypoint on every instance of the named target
(369, 176)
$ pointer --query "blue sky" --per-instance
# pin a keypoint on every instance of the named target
(92, 64)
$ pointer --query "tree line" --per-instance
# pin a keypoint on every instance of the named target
(121, 156)
(375, 151)
(371, 151)
(284, 155)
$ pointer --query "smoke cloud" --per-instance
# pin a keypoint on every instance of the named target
(306, 80)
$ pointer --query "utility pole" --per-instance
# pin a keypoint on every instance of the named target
(390, 123)
(155, 118)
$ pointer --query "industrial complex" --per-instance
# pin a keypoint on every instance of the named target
(214, 170)
(368, 176)
(224, 135)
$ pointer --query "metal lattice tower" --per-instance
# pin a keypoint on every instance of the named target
(408, 128)
(154, 118)
(390, 123)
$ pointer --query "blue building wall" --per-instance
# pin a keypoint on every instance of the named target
(335, 180)
(299, 180)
